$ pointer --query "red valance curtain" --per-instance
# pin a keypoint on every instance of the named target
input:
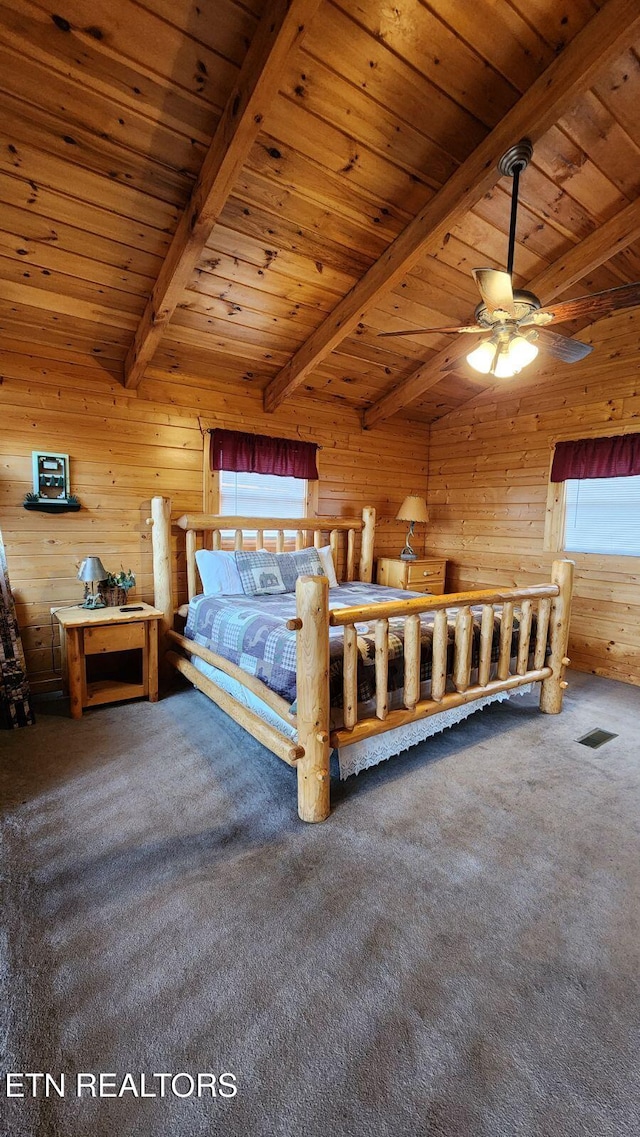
(258, 454)
(613, 457)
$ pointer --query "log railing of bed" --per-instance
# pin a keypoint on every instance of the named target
(550, 603)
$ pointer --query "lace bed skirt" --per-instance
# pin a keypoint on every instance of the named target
(361, 755)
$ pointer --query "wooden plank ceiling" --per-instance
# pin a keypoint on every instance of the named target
(107, 115)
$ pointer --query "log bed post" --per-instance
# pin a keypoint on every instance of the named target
(162, 588)
(312, 681)
(190, 552)
(551, 689)
(368, 538)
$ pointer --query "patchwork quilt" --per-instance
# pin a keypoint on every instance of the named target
(250, 631)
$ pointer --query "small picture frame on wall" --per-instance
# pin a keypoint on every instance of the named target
(51, 486)
(50, 476)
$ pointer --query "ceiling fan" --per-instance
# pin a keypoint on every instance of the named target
(514, 319)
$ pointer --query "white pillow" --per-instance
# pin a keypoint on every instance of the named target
(218, 573)
(326, 560)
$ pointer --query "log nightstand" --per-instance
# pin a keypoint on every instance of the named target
(94, 673)
(426, 574)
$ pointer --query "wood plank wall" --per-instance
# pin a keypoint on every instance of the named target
(124, 450)
(489, 466)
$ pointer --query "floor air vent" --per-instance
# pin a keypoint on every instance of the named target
(596, 738)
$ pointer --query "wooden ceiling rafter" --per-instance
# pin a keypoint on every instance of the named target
(610, 31)
(281, 29)
(611, 238)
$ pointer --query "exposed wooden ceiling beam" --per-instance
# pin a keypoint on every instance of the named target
(608, 33)
(600, 246)
(616, 234)
(281, 28)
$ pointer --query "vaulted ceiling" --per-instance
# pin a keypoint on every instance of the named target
(248, 192)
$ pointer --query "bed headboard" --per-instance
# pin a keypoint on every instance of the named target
(249, 532)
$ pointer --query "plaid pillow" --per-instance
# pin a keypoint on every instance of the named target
(259, 573)
(305, 562)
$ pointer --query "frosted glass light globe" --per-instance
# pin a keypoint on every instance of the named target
(482, 357)
(521, 352)
(504, 368)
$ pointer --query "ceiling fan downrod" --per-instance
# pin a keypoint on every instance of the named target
(512, 163)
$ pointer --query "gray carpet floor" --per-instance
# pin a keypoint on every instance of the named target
(454, 953)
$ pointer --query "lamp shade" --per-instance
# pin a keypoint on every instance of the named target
(413, 508)
(91, 570)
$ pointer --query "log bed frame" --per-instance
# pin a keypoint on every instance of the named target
(310, 755)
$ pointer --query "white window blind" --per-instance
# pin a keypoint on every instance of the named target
(261, 495)
(603, 516)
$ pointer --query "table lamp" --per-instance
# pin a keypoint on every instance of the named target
(413, 509)
(92, 571)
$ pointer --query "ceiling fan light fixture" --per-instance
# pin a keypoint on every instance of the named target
(482, 357)
(502, 357)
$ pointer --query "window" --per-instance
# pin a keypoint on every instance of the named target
(236, 493)
(602, 515)
(593, 502)
(261, 495)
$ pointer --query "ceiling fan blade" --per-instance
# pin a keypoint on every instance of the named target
(591, 307)
(562, 347)
(428, 331)
(496, 289)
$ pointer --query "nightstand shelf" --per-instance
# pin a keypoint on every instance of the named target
(108, 655)
(425, 574)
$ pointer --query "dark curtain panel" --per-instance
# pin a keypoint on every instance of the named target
(612, 457)
(258, 454)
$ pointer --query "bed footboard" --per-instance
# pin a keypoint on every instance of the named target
(551, 604)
